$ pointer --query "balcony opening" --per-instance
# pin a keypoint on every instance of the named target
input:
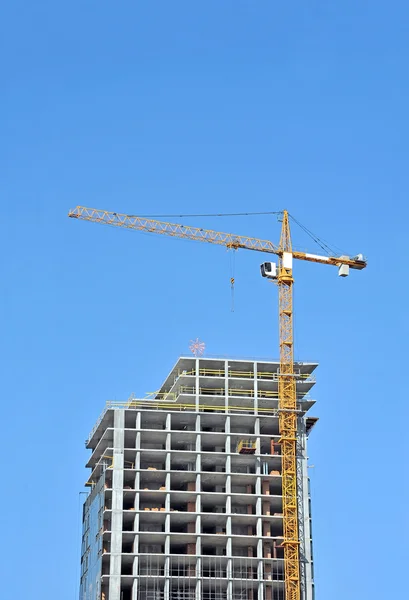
(129, 503)
(211, 508)
(153, 466)
(127, 547)
(187, 466)
(178, 549)
(127, 524)
(178, 507)
(126, 568)
(151, 549)
(213, 551)
(104, 593)
(182, 527)
(211, 468)
(151, 527)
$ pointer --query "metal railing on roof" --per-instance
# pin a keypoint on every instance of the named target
(271, 376)
(250, 393)
(169, 400)
(180, 407)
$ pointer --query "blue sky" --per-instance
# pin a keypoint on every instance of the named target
(202, 107)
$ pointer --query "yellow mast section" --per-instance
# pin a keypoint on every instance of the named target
(287, 405)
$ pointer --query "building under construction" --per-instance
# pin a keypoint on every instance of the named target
(186, 496)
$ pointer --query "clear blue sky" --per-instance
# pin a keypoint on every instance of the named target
(185, 107)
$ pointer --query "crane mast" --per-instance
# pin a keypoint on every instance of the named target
(287, 405)
(287, 402)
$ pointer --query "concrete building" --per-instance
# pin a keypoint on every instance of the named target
(185, 488)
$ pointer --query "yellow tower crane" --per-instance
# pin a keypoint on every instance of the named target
(282, 274)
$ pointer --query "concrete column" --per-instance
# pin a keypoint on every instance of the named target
(307, 524)
(255, 391)
(167, 519)
(229, 545)
(228, 484)
(229, 573)
(228, 474)
(226, 385)
(258, 485)
(166, 587)
(167, 565)
(227, 425)
(197, 384)
(137, 519)
(228, 504)
(259, 548)
(137, 486)
(228, 527)
(198, 446)
(198, 594)
(258, 466)
(135, 589)
(259, 527)
(257, 426)
(258, 444)
(135, 566)
(117, 501)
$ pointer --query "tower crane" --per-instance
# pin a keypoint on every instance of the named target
(282, 274)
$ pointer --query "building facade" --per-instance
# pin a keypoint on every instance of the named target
(185, 488)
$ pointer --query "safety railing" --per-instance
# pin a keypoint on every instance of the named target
(163, 404)
(97, 424)
(244, 374)
(205, 391)
(156, 396)
(270, 376)
(163, 396)
(203, 372)
(300, 377)
(246, 447)
(180, 407)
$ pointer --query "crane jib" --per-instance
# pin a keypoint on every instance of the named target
(228, 240)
